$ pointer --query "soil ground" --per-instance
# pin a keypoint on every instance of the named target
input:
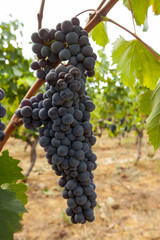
(128, 196)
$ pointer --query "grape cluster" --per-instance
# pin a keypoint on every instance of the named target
(2, 114)
(68, 42)
(62, 113)
(67, 136)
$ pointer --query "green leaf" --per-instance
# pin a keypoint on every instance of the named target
(17, 72)
(19, 189)
(99, 34)
(150, 105)
(156, 6)
(145, 106)
(11, 210)
(133, 61)
(140, 9)
(9, 171)
(12, 196)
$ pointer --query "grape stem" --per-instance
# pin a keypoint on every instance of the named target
(101, 5)
(88, 10)
(132, 16)
(40, 14)
(134, 35)
(16, 122)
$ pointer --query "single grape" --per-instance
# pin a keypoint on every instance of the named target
(71, 184)
(78, 191)
(62, 182)
(62, 150)
(57, 159)
(56, 47)
(74, 49)
(2, 126)
(67, 119)
(35, 38)
(43, 34)
(88, 213)
(34, 65)
(2, 111)
(64, 54)
(87, 51)
(71, 38)
(66, 26)
(79, 218)
(69, 212)
(40, 74)
(36, 48)
(81, 200)
(60, 36)
(44, 141)
(89, 63)
(75, 21)
(71, 203)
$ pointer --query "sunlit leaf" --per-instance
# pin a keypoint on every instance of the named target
(156, 6)
(140, 9)
(99, 34)
(133, 61)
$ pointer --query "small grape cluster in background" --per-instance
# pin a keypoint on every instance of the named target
(62, 113)
(2, 114)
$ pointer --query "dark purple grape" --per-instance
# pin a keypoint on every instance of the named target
(75, 21)
(35, 38)
(81, 200)
(40, 74)
(44, 141)
(69, 212)
(79, 218)
(64, 54)
(35, 65)
(71, 38)
(43, 34)
(60, 36)
(87, 51)
(66, 26)
(26, 102)
(56, 47)
(62, 150)
(71, 203)
(71, 184)
(26, 111)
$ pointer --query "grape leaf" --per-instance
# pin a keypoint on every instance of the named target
(12, 196)
(150, 105)
(10, 214)
(156, 6)
(99, 34)
(9, 171)
(19, 189)
(140, 9)
(133, 61)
